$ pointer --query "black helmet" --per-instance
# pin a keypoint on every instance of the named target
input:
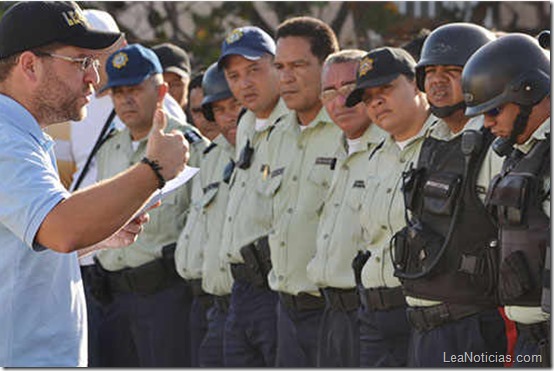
(513, 68)
(450, 45)
(215, 88)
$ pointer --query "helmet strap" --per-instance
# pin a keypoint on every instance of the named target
(503, 146)
(442, 112)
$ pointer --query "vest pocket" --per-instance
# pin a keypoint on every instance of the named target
(515, 277)
(440, 193)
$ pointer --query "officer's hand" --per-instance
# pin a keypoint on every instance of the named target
(126, 235)
(170, 150)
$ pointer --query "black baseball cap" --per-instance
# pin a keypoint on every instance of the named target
(379, 67)
(32, 24)
(173, 58)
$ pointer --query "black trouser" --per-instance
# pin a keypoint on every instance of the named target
(472, 341)
(339, 333)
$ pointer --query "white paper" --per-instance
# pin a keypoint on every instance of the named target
(171, 186)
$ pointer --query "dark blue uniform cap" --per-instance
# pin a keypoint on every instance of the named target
(131, 65)
(31, 24)
(249, 42)
(379, 67)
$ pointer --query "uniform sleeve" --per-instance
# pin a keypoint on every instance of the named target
(30, 186)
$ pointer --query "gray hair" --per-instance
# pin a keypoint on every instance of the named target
(344, 56)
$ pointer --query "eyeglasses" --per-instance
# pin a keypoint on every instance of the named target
(330, 94)
(493, 112)
(85, 62)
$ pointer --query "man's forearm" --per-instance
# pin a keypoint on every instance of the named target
(95, 213)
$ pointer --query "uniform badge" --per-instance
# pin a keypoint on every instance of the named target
(234, 36)
(366, 65)
(120, 60)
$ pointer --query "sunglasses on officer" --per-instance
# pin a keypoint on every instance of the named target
(493, 112)
(329, 94)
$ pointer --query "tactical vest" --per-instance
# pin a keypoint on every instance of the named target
(515, 198)
(448, 250)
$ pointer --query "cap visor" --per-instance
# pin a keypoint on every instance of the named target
(93, 39)
(177, 70)
(249, 54)
(356, 96)
(122, 82)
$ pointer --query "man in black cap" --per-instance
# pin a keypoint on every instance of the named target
(176, 70)
(385, 82)
(47, 69)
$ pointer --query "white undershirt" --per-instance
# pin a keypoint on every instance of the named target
(354, 145)
(261, 124)
(403, 143)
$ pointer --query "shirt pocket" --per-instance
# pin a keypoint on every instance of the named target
(209, 195)
(320, 177)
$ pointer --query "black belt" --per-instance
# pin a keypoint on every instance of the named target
(222, 302)
(341, 299)
(382, 298)
(534, 331)
(196, 287)
(302, 301)
(145, 279)
(245, 273)
(428, 318)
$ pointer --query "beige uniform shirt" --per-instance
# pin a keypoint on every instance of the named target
(166, 221)
(528, 315)
(382, 213)
(339, 234)
(248, 214)
(189, 254)
(492, 164)
(302, 163)
(216, 272)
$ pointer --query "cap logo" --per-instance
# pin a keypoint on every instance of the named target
(366, 65)
(74, 17)
(120, 60)
(234, 36)
(468, 97)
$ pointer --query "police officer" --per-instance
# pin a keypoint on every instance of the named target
(208, 129)
(339, 233)
(146, 321)
(221, 107)
(247, 55)
(386, 83)
(176, 70)
(508, 81)
(445, 261)
(302, 162)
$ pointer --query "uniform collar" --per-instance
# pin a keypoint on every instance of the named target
(539, 134)
(223, 143)
(425, 131)
(442, 131)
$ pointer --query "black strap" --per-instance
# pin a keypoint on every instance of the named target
(99, 141)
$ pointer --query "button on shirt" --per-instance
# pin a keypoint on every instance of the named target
(166, 221)
(339, 234)
(382, 212)
(301, 170)
(529, 315)
(216, 272)
(42, 303)
(248, 214)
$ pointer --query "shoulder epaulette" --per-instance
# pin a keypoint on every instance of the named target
(209, 148)
(241, 113)
(192, 137)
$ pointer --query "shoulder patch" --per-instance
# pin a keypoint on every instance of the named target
(209, 148)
